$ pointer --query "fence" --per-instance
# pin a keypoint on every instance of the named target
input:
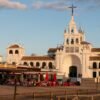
(79, 97)
(56, 95)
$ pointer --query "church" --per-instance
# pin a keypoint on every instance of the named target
(75, 58)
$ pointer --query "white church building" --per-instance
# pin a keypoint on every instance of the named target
(74, 58)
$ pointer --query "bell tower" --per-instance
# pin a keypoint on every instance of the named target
(73, 36)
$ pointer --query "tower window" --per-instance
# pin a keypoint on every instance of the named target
(76, 49)
(72, 41)
(77, 41)
(67, 49)
(10, 52)
(16, 52)
(71, 49)
(67, 41)
(72, 30)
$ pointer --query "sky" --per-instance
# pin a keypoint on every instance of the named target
(39, 24)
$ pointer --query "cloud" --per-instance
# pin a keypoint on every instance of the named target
(12, 5)
(64, 4)
(50, 5)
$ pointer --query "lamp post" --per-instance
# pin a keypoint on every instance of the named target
(15, 87)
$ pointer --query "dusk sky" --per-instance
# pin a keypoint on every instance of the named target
(39, 24)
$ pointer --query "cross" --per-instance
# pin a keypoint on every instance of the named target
(72, 7)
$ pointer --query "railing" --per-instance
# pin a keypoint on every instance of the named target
(56, 95)
(77, 97)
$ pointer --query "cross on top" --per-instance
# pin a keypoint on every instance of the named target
(72, 7)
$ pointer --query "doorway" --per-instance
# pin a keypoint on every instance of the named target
(73, 71)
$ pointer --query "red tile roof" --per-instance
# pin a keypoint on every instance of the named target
(14, 46)
(95, 49)
(85, 42)
(37, 58)
(95, 58)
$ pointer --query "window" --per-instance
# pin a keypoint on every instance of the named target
(71, 49)
(77, 41)
(94, 74)
(72, 41)
(72, 30)
(43, 65)
(76, 49)
(67, 41)
(31, 64)
(16, 52)
(99, 65)
(13, 63)
(67, 49)
(10, 52)
(50, 65)
(37, 64)
(94, 65)
(25, 63)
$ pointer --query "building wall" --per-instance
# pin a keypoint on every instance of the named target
(75, 52)
(47, 62)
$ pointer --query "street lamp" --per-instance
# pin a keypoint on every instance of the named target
(15, 87)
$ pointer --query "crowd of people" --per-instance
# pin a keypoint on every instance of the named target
(35, 80)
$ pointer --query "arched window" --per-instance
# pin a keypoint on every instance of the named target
(10, 52)
(50, 65)
(43, 65)
(25, 63)
(72, 41)
(99, 65)
(94, 65)
(31, 64)
(77, 41)
(16, 52)
(67, 41)
(72, 30)
(37, 64)
(94, 74)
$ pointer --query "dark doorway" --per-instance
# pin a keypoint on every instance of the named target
(94, 74)
(73, 71)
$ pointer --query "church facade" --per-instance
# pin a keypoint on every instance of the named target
(74, 58)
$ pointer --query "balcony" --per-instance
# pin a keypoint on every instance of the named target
(94, 68)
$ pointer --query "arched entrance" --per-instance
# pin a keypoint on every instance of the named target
(71, 66)
(72, 71)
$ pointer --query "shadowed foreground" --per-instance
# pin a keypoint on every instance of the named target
(50, 93)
